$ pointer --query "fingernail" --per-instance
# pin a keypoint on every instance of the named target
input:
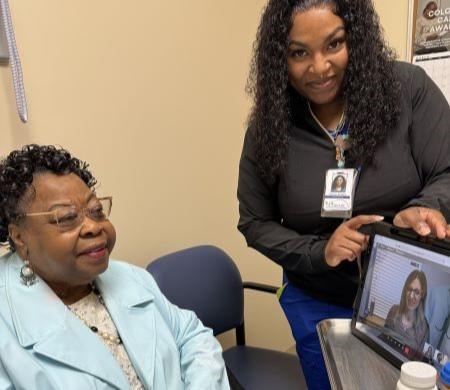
(379, 218)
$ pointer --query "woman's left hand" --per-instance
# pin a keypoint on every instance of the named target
(423, 221)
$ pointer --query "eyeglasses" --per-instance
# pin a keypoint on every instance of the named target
(415, 291)
(71, 217)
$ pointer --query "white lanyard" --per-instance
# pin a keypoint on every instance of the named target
(14, 59)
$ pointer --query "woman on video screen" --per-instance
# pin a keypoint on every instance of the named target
(408, 319)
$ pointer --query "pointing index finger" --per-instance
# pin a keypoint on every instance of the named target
(356, 222)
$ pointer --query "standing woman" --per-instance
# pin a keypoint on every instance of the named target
(329, 95)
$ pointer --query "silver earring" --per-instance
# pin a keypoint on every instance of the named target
(27, 274)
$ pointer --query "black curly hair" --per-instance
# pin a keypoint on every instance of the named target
(18, 170)
(370, 87)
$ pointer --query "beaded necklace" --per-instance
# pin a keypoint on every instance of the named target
(115, 339)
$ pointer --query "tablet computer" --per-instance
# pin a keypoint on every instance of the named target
(402, 309)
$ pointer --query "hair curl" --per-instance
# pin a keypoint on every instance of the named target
(370, 87)
(18, 170)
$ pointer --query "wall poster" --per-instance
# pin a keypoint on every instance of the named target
(429, 40)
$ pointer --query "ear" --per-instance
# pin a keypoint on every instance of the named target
(16, 233)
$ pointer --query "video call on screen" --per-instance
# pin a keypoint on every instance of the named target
(405, 304)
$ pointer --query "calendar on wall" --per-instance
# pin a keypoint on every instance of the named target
(437, 67)
(429, 40)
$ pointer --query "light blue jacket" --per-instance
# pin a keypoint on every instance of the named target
(43, 346)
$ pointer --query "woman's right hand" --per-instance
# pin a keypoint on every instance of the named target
(346, 243)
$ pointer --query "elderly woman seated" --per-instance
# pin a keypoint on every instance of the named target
(69, 317)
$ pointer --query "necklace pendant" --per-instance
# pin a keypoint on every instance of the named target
(340, 157)
(341, 141)
(341, 145)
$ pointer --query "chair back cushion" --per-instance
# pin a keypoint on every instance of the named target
(203, 279)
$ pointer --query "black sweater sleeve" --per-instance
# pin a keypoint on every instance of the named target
(260, 221)
(430, 141)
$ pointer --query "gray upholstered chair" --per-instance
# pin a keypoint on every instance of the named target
(205, 279)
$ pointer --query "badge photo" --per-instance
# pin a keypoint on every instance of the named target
(338, 193)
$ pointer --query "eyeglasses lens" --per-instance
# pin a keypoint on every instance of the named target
(71, 217)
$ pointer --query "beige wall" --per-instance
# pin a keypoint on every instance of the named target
(151, 93)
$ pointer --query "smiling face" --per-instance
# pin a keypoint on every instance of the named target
(74, 257)
(413, 294)
(317, 55)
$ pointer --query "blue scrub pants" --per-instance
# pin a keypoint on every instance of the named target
(303, 314)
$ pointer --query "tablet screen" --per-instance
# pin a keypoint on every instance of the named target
(403, 308)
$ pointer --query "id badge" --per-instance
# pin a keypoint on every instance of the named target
(339, 192)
